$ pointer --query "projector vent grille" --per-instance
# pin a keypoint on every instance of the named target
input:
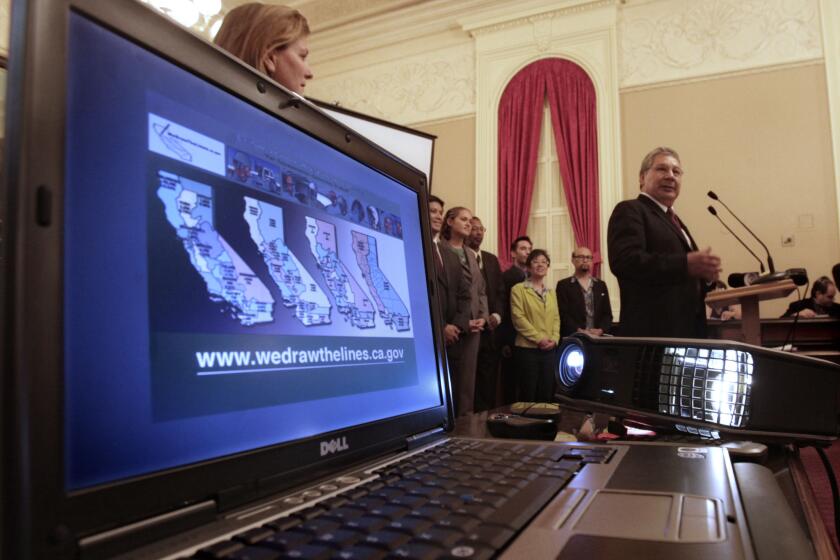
(703, 384)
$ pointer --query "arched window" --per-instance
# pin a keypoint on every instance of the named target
(570, 95)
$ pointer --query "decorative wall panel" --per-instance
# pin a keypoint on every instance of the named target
(418, 88)
(659, 41)
(669, 40)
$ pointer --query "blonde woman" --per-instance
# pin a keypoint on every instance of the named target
(272, 39)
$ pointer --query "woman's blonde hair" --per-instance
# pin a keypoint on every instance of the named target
(252, 31)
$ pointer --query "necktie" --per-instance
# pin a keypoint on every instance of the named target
(478, 260)
(674, 220)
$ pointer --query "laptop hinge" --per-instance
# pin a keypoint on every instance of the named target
(127, 537)
(415, 441)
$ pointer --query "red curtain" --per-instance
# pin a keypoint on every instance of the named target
(520, 120)
(571, 100)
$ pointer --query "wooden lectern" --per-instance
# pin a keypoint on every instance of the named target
(748, 297)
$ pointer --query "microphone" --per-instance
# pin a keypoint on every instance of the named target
(798, 275)
(741, 279)
(714, 213)
(772, 268)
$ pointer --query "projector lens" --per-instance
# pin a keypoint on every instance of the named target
(571, 365)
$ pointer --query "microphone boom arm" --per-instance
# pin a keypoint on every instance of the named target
(769, 258)
(713, 212)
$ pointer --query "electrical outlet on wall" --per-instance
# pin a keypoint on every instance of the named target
(788, 240)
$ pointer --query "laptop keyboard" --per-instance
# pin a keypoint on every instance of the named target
(460, 499)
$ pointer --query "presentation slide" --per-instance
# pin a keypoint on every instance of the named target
(255, 270)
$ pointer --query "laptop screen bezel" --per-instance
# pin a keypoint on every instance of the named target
(33, 297)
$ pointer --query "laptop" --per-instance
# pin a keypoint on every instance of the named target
(221, 339)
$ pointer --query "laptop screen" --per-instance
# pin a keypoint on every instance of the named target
(231, 282)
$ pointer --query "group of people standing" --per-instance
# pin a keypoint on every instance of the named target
(662, 275)
(506, 322)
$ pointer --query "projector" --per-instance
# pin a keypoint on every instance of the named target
(711, 388)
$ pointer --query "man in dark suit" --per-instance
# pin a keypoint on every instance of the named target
(662, 275)
(453, 287)
(583, 300)
(487, 370)
(519, 251)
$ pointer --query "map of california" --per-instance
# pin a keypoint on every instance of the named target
(299, 289)
(349, 296)
(189, 209)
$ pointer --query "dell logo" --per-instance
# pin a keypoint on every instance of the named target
(334, 446)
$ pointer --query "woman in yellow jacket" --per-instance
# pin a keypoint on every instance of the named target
(533, 308)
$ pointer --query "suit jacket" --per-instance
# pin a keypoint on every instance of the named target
(534, 317)
(512, 276)
(494, 285)
(478, 294)
(573, 307)
(454, 290)
(648, 255)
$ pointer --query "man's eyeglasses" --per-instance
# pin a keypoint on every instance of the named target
(582, 257)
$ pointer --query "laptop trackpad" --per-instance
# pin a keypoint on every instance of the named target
(650, 516)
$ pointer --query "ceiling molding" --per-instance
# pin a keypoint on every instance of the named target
(528, 12)
(421, 22)
(324, 15)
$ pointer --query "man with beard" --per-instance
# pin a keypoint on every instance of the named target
(662, 275)
(583, 300)
(487, 368)
(519, 251)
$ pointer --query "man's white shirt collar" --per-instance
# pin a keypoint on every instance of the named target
(665, 210)
(661, 206)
